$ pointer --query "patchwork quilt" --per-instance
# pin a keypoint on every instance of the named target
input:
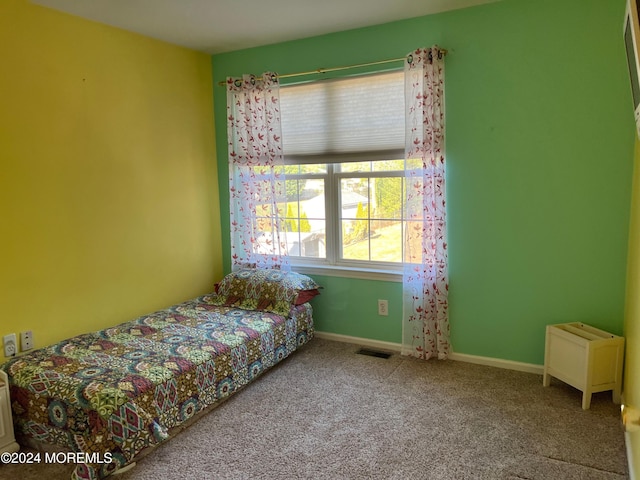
(112, 393)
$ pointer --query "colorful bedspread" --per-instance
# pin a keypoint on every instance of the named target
(112, 393)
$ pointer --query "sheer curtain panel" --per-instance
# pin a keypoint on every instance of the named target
(256, 174)
(425, 320)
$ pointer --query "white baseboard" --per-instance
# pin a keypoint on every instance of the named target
(498, 362)
(634, 469)
(632, 444)
(460, 357)
(365, 342)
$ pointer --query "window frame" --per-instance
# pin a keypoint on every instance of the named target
(334, 263)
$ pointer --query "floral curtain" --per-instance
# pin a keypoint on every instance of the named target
(256, 172)
(425, 320)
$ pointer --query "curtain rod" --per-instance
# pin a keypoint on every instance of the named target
(336, 69)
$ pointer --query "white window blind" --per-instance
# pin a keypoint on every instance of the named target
(347, 119)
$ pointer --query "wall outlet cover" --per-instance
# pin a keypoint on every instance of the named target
(10, 348)
(26, 340)
(383, 307)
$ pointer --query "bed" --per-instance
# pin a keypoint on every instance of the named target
(112, 394)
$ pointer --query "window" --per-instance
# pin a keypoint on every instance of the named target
(342, 202)
(344, 146)
(345, 212)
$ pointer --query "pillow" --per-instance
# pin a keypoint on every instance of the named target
(306, 296)
(266, 290)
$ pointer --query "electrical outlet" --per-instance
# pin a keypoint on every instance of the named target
(383, 307)
(26, 340)
(10, 348)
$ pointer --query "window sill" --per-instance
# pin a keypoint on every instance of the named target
(349, 272)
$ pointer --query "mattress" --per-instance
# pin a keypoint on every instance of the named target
(113, 393)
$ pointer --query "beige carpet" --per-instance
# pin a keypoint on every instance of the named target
(329, 413)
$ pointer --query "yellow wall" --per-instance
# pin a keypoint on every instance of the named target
(632, 315)
(108, 187)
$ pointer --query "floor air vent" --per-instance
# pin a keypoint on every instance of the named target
(373, 353)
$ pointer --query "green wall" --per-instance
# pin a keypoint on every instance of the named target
(540, 140)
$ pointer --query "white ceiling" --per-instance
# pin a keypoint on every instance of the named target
(216, 26)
